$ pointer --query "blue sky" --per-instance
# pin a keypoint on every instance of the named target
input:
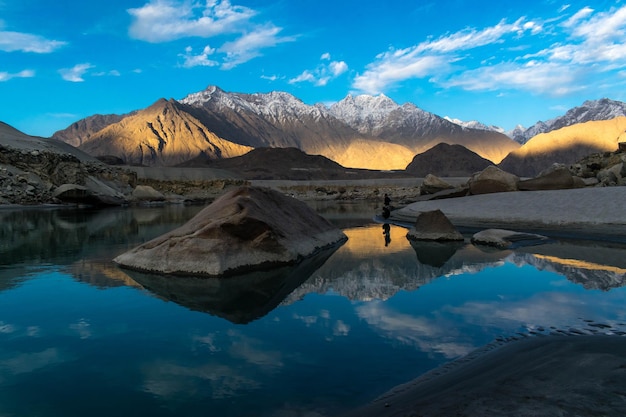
(502, 63)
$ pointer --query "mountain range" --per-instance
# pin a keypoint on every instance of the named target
(371, 132)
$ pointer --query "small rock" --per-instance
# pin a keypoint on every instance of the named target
(507, 239)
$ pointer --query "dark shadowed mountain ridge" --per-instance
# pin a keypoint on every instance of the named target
(446, 160)
(286, 164)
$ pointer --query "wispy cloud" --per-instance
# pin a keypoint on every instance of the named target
(324, 72)
(251, 44)
(572, 49)
(6, 76)
(26, 42)
(76, 73)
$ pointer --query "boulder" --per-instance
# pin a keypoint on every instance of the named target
(433, 184)
(246, 229)
(147, 193)
(492, 180)
(558, 177)
(507, 239)
(94, 193)
(434, 226)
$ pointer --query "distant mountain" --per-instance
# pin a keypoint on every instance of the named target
(278, 119)
(163, 134)
(445, 160)
(591, 110)
(416, 129)
(566, 145)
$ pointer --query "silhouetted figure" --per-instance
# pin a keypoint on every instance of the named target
(387, 200)
(386, 212)
(386, 228)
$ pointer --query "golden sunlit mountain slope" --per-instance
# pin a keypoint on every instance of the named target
(566, 145)
(373, 154)
(160, 135)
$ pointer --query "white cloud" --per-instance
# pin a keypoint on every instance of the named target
(270, 77)
(243, 40)
(433, 57)
(26, 42)
(5, 76)
(249, 45)
(324, 73)
(76, 73)
(201, 60)
(568, 55)
(540, 78)
(166, 20)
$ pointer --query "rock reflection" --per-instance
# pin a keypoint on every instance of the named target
(435, 253)
(239, 299)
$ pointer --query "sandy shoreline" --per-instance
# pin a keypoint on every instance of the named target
(598, 211)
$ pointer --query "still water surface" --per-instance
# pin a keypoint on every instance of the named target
(79, 336)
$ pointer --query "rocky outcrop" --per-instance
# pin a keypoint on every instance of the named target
(433, 184)
(492, 180)
(557, 177)
(604, 168)
(434, 226)
(250, 228)
(32, 168)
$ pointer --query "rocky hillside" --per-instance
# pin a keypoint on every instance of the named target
(281, 120)
(35, 170)
(566, 146)
(445, 160)
(591, 110)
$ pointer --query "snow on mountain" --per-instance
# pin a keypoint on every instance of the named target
(473, 124)
(276, 105)
(372, 115)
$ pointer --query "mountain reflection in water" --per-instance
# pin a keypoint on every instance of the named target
(79, 336)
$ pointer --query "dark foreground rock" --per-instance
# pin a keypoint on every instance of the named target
(250, 228)
(535, 376)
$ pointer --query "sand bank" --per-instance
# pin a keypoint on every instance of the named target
(599, 210)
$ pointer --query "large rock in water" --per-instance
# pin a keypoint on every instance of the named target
(250, 228)
(434, 226)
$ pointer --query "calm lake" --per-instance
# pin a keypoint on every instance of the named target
(80, 336)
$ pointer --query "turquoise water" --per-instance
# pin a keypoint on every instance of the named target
(79, 336)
